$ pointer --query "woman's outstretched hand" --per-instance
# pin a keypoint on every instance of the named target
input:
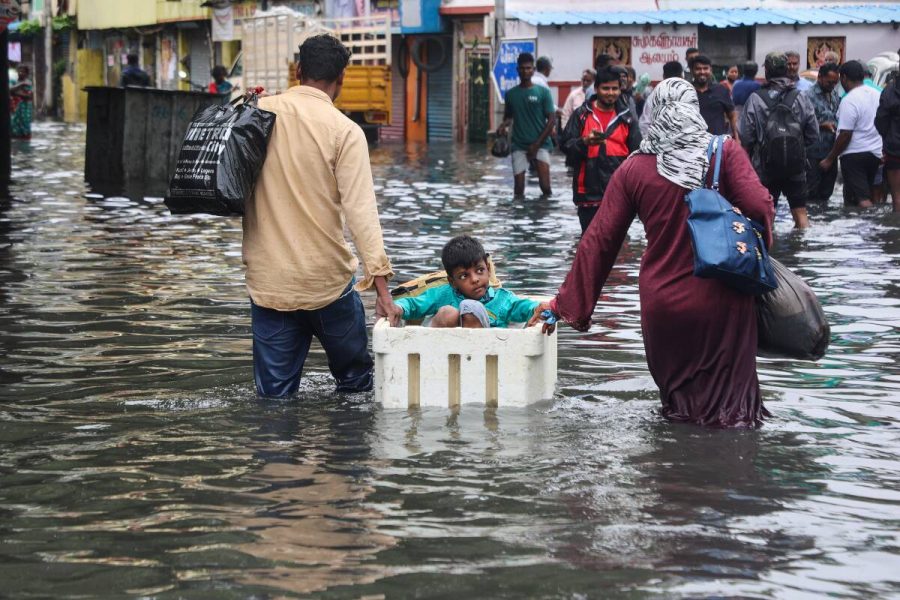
(549, 323)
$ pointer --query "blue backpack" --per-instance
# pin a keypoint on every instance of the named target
(727, 245)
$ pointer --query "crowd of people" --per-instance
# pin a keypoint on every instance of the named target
(797, 133)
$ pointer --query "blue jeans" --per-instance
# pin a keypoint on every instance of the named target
(281, 342)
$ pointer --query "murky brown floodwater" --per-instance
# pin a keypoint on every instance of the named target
(135, 459)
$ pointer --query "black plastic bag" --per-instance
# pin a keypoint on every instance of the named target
(501, 147)
(790, 320)
(221, 156)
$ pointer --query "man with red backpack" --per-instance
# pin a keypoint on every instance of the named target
(778, 124)
(598, 138)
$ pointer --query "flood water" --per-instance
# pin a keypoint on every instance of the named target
(136, 460)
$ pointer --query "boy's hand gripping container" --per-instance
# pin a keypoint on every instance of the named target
(425, 366)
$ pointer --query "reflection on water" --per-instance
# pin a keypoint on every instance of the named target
(135, 457)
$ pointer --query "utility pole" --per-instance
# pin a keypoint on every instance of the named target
(5, 145)
(48, 56)
(499, 22)
(499, 34)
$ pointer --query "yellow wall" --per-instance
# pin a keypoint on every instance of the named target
(89, 66)
(184, 48)
(106, 14)
(230, 51)
(186, 10)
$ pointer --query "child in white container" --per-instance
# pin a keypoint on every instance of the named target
(467, 300)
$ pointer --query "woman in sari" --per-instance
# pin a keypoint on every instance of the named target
(21, 105)
(699, 334)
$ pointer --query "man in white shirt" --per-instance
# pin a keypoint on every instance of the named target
(542, 69)
(541, 77)
(670, 69)
(578, 95)
(858, 143)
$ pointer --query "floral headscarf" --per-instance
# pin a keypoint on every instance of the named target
(678, 135)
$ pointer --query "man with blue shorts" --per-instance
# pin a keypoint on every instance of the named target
(530, 110)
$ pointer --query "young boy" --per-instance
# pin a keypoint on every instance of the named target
(467, 300)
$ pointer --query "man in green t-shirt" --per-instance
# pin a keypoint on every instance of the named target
(529, 108)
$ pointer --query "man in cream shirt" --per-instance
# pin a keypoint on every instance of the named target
(300, 268)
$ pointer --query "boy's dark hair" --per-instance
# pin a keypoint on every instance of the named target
(853, 70)
(323, 58)
(700, 59)
(687, 54)
(602, 61)
(672, 69)
(607, 75)
(828, 68)
(132, 60)
(462, 251)
(525, 58)
(219, 71)
(750, 69)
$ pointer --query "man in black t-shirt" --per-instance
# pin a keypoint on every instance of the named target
(715, 101)
(133, 74)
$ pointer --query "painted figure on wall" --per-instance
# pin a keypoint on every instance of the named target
(619, 48)
(168, 63)
(818, 48)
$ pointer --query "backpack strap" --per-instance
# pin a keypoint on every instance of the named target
(717, 146)
(787, 97)
(764, 96)
(790, 97)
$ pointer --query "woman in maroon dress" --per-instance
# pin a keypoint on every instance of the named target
(699, 334)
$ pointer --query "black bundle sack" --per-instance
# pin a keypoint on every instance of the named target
(221, 156)
(790, 320)
(501, 147)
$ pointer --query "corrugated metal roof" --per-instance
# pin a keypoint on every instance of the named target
(735, 17)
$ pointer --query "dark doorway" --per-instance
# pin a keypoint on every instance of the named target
(479, 101)
(725, 46)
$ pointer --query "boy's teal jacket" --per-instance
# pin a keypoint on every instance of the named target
(503, 307)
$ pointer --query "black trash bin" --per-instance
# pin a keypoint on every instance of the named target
(134, 135)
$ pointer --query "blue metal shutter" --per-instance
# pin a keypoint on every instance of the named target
(440, 99)
(394, 131)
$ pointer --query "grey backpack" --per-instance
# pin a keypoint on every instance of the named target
(782, 151)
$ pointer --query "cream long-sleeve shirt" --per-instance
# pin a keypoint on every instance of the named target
(316, 178)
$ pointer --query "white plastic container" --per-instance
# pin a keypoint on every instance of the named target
(424, 366)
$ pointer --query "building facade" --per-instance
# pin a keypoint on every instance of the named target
(443, 52)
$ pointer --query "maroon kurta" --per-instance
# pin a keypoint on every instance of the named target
(699, 334)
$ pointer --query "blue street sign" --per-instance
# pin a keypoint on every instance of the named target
(504, 72)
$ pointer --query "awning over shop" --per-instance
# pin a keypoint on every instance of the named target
(721, 17)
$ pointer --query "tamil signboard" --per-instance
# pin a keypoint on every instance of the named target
(504, 73)
(9, 12)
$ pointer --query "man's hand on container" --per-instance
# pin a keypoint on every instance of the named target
(389, 311)
(384, 304)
